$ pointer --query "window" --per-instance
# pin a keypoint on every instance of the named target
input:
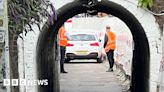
(82, 37)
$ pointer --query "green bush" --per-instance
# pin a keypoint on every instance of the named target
(146, 3)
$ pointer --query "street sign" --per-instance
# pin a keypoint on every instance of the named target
(2, 36)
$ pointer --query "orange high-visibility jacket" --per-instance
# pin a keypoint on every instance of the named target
(62, 37)
(111, 44)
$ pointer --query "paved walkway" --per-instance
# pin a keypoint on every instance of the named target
(89, 77)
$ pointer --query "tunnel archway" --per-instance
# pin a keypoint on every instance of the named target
(47, 54)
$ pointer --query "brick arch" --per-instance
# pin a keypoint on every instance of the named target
(47, 50)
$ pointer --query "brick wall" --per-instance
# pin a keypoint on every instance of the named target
(159, 8)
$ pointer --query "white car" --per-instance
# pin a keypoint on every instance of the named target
(83, 45)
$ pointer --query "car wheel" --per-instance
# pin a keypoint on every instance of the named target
(67, 60)
(99, 60)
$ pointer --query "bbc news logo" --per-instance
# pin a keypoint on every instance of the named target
(25, 82)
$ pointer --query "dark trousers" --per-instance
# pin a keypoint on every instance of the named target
(110, 55)
(62, 57)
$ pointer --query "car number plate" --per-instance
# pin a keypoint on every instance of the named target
(81, 52)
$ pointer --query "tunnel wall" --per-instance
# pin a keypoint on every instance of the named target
(160, 87)
(26, 57)
(146, 19)
(152, 30)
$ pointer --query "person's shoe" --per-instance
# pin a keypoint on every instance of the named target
(64, 72)
(110, 70)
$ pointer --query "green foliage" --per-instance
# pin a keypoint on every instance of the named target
(24, 13)
(146, 3)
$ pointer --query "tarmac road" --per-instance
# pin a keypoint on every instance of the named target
(88, 77)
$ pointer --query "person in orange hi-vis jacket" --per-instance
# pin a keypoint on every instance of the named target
(110, 46)
(62, 43)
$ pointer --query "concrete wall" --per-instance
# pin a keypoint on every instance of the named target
(152, 30)
(158, 8)
(26, 57)
(160, 87)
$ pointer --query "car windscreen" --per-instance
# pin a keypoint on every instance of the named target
(82, 37)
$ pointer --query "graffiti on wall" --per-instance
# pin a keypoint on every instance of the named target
(124, 52)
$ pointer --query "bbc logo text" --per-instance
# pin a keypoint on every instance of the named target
(25, 82)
